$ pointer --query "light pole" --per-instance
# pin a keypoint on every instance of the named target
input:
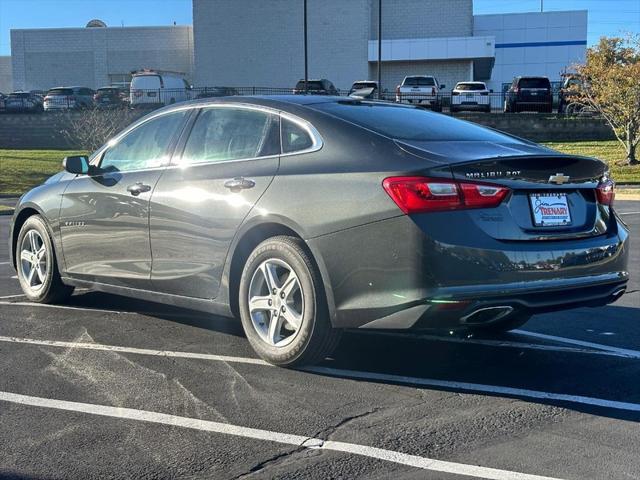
(306, 60)
(379, 48)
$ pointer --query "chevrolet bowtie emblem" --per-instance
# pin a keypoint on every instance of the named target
(559, 178)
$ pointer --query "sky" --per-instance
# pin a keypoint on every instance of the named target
(606, 17)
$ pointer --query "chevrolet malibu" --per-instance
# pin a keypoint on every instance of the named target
(306, 215)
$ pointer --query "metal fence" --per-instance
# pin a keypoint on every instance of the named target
(154, 98)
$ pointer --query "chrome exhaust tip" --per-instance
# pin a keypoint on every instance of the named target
(487, 315)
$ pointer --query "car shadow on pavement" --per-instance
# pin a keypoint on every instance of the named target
(508, 360)
(568, 371)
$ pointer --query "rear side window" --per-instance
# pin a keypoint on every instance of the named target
(534, 83)
(408, 123)
(294, 137)
(145, 146)
(146, 82)
(222, 134)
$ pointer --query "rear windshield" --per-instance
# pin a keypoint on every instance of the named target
(311, 85)
(107, 90)
(470, 86)
(408, 123)
(60, 91)
(19, 95)
(420, 81)
(144, 82)
(534, 83)
(359, 85)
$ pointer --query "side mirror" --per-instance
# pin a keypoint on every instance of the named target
(443, 86)
(78, 164)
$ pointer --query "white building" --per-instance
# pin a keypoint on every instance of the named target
(258, 43)
(6, 77)
(96, 56)
(534, 43)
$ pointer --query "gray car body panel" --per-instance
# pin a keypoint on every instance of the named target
(381, 268)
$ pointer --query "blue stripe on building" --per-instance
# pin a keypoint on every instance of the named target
(541, 44)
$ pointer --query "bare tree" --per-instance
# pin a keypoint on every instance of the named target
(90, 129)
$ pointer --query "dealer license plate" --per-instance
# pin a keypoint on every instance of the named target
(550, 209)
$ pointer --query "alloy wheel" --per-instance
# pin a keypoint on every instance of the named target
(276, 302)
(33, 260)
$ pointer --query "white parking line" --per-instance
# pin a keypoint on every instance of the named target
(571, 341)
(337, 372)
(140, 351)
(271, 436)
(5, 263)
(629, 213)
(505, 344)
(64, 307)
(12, 296)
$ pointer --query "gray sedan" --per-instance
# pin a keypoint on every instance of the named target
(307, 215)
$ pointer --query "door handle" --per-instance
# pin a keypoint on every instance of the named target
(138, 188)
(239, 183)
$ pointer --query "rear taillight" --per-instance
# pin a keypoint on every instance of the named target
(455, 93)
(484, 94)
(421, 194)
(606, 192)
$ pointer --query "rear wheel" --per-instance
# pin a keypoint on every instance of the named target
(36, 264)
(282, 305)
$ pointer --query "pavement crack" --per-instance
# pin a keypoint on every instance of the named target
(313, 442)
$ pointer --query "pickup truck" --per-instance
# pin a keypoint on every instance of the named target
(420, 90)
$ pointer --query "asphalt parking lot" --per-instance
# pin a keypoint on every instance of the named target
(107, 387)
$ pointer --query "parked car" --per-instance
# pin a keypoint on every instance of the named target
(293, 214)
(315, 87)
(470, 96)
(422, 90)
(569, 92)
(110, 97)
(212, 92)
(364, 89)
(64, 98)
(529, 94)
(23, 102)
(2, 98)
(153, 88)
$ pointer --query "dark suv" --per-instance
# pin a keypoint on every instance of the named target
(529, 94)
(316, 87)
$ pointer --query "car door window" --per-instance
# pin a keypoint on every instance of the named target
(294, 137)
(146, 146)
(222, 134)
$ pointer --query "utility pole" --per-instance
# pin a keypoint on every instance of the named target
(306, 53)
(379, 48)
(541, 6)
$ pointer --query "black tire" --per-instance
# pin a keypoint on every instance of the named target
(50, 289)
(510, 323)
(437, 108)
(487, 109)
(315, 338)
(453, 109)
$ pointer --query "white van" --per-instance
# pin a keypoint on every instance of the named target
(156, 87)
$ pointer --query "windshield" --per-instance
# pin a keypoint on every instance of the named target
(408, 123)
(420, 81)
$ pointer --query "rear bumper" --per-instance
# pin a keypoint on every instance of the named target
(391, 275)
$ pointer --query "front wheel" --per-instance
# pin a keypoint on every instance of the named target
(36, 264)
(282, 304)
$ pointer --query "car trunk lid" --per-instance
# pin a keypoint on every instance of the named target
(553, 196)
